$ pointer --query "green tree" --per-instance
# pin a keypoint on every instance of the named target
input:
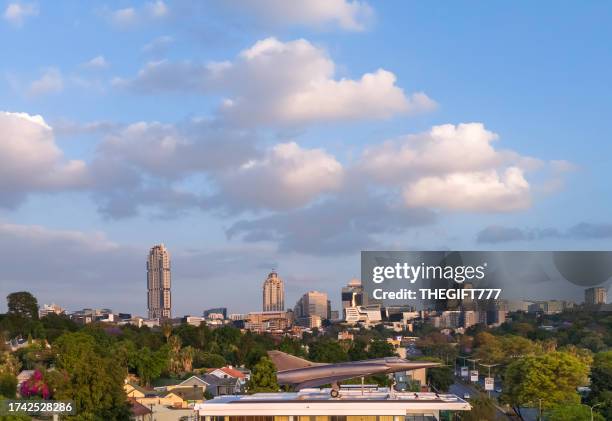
(186, 356)
(440, 378)
(601, 383)
(166, 329)
(9, 363)
(35, 355)
(57, 324)
(254, 355)
(208, 360)
(227, 336)
(291, 346)
(493, 349)
(483, 408)
(263, 377)
(572, 412)
(148, 364)
(327, 351)
(23, 304)
(437, 345)
(92, 380)
(226, 341)
(593, 341)
(358, 351)
(174, 344)
(379, 349)
(551, 378)
(8, 385)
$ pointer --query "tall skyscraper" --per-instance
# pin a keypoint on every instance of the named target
(273, 293)
(158, 283)
(595, 296)
(313, 303)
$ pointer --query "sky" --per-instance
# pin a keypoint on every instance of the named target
(256, 135)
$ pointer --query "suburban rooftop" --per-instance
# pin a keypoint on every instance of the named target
(353, 400)
(351, 393)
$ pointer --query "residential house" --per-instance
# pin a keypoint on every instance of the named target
(139, 411)
(214, 384)
(189, 395)
(149, 397)
(218, 386)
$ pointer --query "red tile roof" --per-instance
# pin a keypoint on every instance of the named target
(230, 371)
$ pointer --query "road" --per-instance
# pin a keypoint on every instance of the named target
(460, 389)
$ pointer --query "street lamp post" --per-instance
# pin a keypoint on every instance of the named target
(591, 408)
(489, 367)
(540, 412)
(464, 358)
(473, 361)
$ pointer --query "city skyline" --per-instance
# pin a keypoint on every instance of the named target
(249, 138)
(316, 303)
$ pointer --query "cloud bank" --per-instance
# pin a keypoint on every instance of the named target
(282, 83)
(495, 234)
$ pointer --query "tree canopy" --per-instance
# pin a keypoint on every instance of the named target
(92, 380)
(552, 378)
(572, 412)
(601, 383)
(263, 377)
(23, 304)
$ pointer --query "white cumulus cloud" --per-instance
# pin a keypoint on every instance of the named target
(485, 191)
(453, 167)
(287, 176)
(31, 160)
(275, 82)
(16, 12)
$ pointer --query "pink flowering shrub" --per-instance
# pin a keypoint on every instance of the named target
(35, 386)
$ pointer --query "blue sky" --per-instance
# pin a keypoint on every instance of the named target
(247, 136)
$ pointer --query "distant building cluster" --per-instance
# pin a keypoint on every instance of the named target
(47, 309)
(313, 309)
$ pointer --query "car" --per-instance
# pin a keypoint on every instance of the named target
(466, 396)
(498, 390)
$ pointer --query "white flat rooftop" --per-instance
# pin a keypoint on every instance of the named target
(352, 401)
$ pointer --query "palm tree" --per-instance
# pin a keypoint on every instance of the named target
(187, 354)
(167, 329)
(175, 348)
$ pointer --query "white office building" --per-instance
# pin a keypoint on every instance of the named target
(356, 403)
(363, 314)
